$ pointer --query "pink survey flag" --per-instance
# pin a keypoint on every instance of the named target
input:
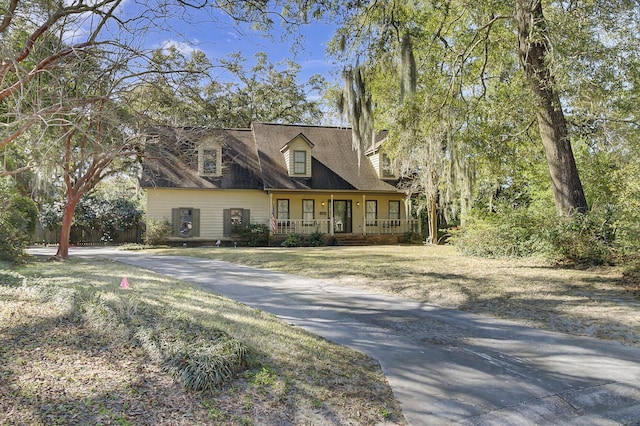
(124, 283)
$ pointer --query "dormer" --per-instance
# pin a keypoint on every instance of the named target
(297, 156)
(210, 158)
(381, 162)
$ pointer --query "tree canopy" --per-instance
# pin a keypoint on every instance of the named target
(501, 74)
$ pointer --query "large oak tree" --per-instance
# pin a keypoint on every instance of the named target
(464, 55)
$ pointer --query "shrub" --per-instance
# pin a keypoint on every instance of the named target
(492, 235)
(315, 239)
(253, 235)
(157, 232)
(293, 240)
(18, 217)
(585, 239)
(411, 238)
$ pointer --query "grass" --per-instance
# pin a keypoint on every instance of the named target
(77, 349)
(590, 302)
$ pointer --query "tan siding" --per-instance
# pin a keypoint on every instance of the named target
(211, 203)
(375, 162)
(287, 160)
(299, 144)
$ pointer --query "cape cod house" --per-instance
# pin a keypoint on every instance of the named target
(293, 178)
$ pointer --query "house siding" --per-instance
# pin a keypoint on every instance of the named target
(298, 144)
(375, 162)
(211, 203)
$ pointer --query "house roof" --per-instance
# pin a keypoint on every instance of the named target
(252, 159)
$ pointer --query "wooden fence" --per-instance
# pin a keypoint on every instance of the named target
(89, 237)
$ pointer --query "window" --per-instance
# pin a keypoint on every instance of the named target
(234, 220)
(185, 222)
(308, 212)
(371, 212)
(387, 170)
(283, 209)
(210, 160)
(236, 216)
(299, 162)
(394, 212)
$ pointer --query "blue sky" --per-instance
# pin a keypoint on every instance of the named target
(217, 36)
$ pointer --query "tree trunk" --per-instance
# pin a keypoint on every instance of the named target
(432, 213)
(533, 46)
(65, 230)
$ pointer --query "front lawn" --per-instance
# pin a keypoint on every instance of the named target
(591, 302)
(75, 348)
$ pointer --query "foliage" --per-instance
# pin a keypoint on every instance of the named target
(583, 239)
(264, 92)
(51, 215)
(157, 232)
(94, 213)
(315, 239)
(579, 239)
(491, 235)
(18, 216)
(467, 68)
(293, 240)
(252, 235)
(411, 238)
(200, 362)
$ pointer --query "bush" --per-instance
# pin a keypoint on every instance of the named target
(293, 240)
(411, 238)
(157, 232)
(255, 235)
(584, 239)
(18, 217)
(315, 239)
(506, 235)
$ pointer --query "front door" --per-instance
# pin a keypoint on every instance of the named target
(342, 216)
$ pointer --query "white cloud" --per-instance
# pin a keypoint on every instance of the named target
(180, 46)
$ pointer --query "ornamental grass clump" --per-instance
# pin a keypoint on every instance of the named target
(198, 363)
(203, 367)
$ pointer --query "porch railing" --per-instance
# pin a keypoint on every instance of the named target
(391, 226)
(301, 226)
(377, 227)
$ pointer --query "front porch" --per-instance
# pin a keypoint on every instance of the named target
(337, 227)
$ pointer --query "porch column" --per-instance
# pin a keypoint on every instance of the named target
(272, 215)
(364, 214)
(331, 216)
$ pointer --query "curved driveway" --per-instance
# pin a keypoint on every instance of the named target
(444, 366)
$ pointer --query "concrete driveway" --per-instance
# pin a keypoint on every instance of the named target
(444, 366)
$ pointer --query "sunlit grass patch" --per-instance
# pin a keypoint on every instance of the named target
(75, 347)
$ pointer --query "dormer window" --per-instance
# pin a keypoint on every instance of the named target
(300, 162)
(297, 156)
(210, 160)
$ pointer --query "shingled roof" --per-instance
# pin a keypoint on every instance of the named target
(252, 159)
